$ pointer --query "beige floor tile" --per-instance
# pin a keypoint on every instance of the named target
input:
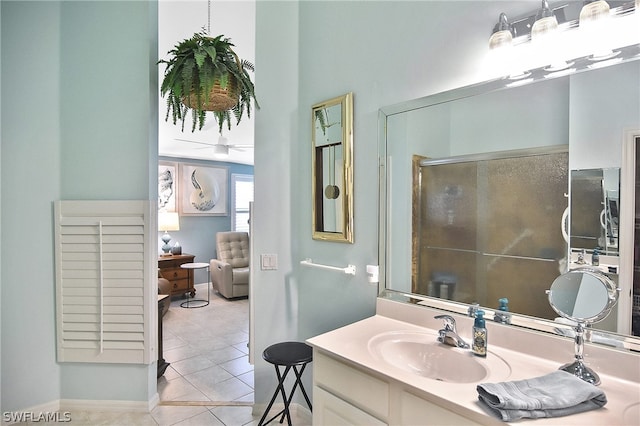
(238, 366)
(181, 353)
(248, 378)
(176, 389)
(233, 415)
(192, 365)
(243, 346)
(169, 415)
(228, 390)
(204, 419)
(225, 354)
(209, 377)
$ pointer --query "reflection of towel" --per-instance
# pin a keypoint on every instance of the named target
(554, 395)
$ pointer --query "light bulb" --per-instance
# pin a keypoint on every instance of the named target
(594, 22)
(501, 37)
(545, 24)
(594, 11)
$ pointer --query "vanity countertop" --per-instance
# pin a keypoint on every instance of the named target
(350, 344)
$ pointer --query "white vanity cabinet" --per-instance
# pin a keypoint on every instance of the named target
(344, 394)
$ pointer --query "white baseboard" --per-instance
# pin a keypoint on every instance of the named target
(66, 405)
(9, 418)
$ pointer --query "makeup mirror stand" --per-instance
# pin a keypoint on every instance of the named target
(578, 368)
(583, 296)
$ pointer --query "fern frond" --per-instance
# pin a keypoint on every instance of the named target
(194, 66)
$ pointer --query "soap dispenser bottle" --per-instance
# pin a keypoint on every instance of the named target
(479, 346)
(595, 257)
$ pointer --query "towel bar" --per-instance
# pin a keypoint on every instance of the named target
(349, 270)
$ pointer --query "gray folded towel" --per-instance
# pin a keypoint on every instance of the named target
(554, 395)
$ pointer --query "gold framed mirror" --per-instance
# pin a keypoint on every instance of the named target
(332, 169)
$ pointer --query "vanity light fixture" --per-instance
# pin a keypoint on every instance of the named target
(559, 38)
(545, 24)
(501, 47)
(502, 36)
(544, 39)
(595, 17)
(594, 10)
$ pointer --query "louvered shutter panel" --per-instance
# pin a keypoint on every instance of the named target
(102, 314)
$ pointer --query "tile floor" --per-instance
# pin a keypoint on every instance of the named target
(209, 381)
(207, 349)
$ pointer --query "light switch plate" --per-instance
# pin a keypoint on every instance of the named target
(268, 262)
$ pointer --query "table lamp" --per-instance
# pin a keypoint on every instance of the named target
(168, 221)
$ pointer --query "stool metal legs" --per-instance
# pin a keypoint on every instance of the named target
(287, 401)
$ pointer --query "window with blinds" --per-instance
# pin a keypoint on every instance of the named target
(241, 196)
(102, 314)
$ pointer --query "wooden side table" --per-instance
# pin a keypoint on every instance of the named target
(181, 279)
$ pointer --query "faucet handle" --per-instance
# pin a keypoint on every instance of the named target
(471, 311)
(449, 322)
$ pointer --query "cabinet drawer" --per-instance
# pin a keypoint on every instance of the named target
(180, 285)
(331, 410)
(173, 274)
(352, 385)
(413, 410)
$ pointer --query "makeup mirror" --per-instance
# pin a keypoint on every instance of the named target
(332, 168)
(582, 296)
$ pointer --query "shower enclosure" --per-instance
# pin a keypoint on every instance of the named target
(484, 221)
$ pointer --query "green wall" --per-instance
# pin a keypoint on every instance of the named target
(79, 119)
(30, 179)
(384, 52)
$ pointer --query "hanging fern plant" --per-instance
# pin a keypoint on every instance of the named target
(204, 74)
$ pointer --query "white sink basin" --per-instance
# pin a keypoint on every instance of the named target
(419, 353)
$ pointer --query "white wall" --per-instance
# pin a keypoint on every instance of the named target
(384, 52)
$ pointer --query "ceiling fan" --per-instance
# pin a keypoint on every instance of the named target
(221, 148)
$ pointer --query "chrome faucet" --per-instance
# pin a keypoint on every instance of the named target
(502, 317)
(448, 335)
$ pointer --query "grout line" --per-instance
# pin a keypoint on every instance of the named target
(208, 403)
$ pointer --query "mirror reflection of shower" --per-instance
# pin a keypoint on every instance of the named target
(595, 205)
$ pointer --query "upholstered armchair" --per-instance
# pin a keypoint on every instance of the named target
(230, 271)
(164, 287)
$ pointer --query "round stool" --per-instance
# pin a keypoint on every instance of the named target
(290, 355)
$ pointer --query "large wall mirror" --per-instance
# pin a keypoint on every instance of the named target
(332, 159)
(546, 128)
